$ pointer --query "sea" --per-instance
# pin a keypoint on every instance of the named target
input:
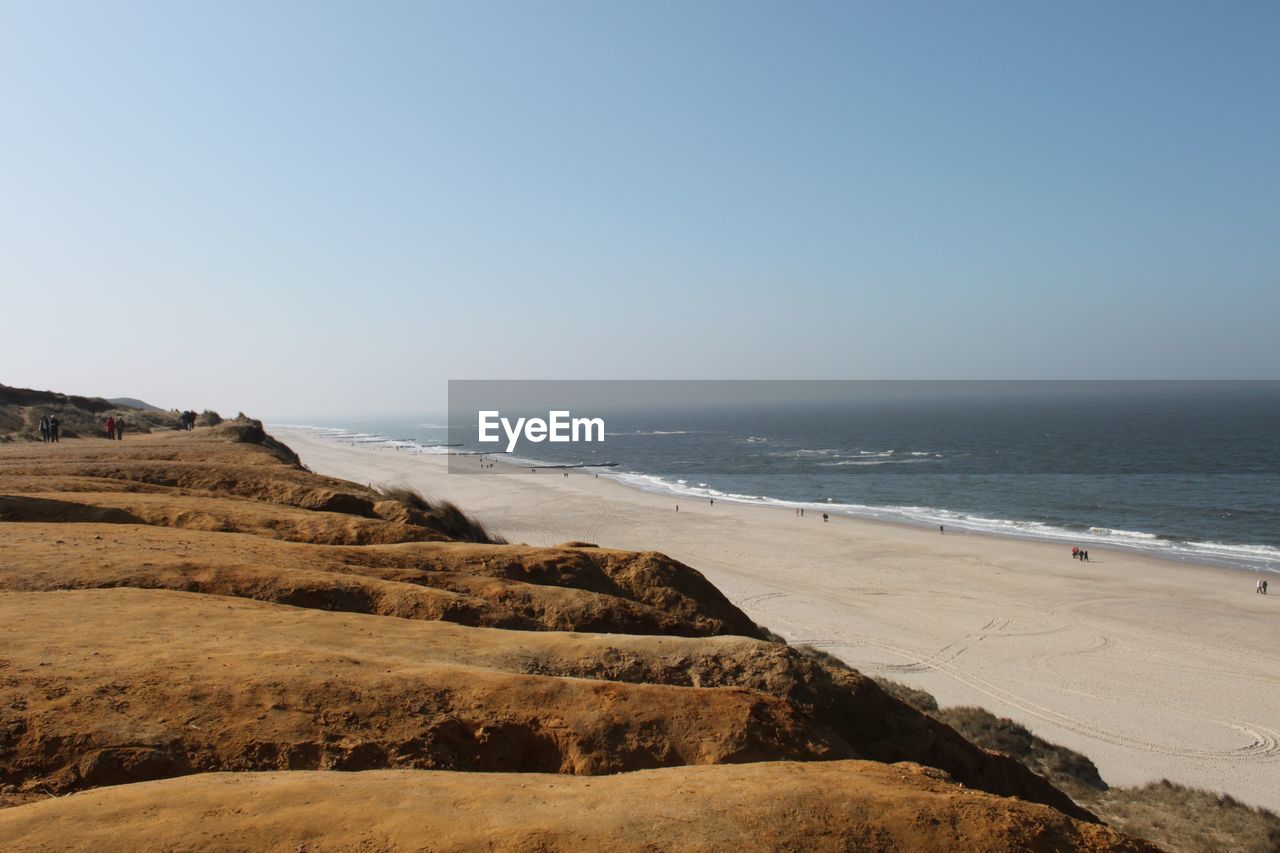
(1188, 471)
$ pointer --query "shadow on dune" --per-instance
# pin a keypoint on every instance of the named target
(22, 508)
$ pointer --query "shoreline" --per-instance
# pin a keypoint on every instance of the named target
(1153, 668)
(955, 522)
(1141, 544)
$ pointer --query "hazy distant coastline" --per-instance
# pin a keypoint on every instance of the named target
(416, 438)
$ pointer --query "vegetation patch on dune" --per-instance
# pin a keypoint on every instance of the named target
(443, 516)
(1177, 817)
(80, 417)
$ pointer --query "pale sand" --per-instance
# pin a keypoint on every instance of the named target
(1154, 669)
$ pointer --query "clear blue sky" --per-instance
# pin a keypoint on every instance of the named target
(329, 208)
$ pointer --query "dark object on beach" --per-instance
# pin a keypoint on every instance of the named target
(824, 516)
(940, 529)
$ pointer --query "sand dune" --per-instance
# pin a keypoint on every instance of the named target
(1153, 669)
(835, 805)
(183, 605)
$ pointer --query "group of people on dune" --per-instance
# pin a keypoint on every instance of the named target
(50, 428)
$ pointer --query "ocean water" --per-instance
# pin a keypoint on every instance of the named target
(1187, 470)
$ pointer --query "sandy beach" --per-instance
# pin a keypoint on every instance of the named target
(1154, 669)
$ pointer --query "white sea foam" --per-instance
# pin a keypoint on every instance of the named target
(845, 462)
(1255, 557)
(651, 432)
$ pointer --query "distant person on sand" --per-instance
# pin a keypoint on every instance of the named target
(1075, 552)
(44, 427)
(119, 429)
(55, 428)
(111, 427)
(941, 529)
(824, 516)
(1085, 556)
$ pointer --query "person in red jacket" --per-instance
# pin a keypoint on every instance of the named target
(111, 427)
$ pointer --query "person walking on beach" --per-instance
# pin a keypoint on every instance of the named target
(111, 427)
(1085, 558)
(44, 427)
(824, 516)
(119, 429)
(55, 428)
(1075, 552)
(941, 530)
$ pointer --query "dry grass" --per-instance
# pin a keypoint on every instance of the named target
(442, 516)
(1188, 820)
(1176, 817)
(249, 431)
(1068, 770)
(80, 417)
